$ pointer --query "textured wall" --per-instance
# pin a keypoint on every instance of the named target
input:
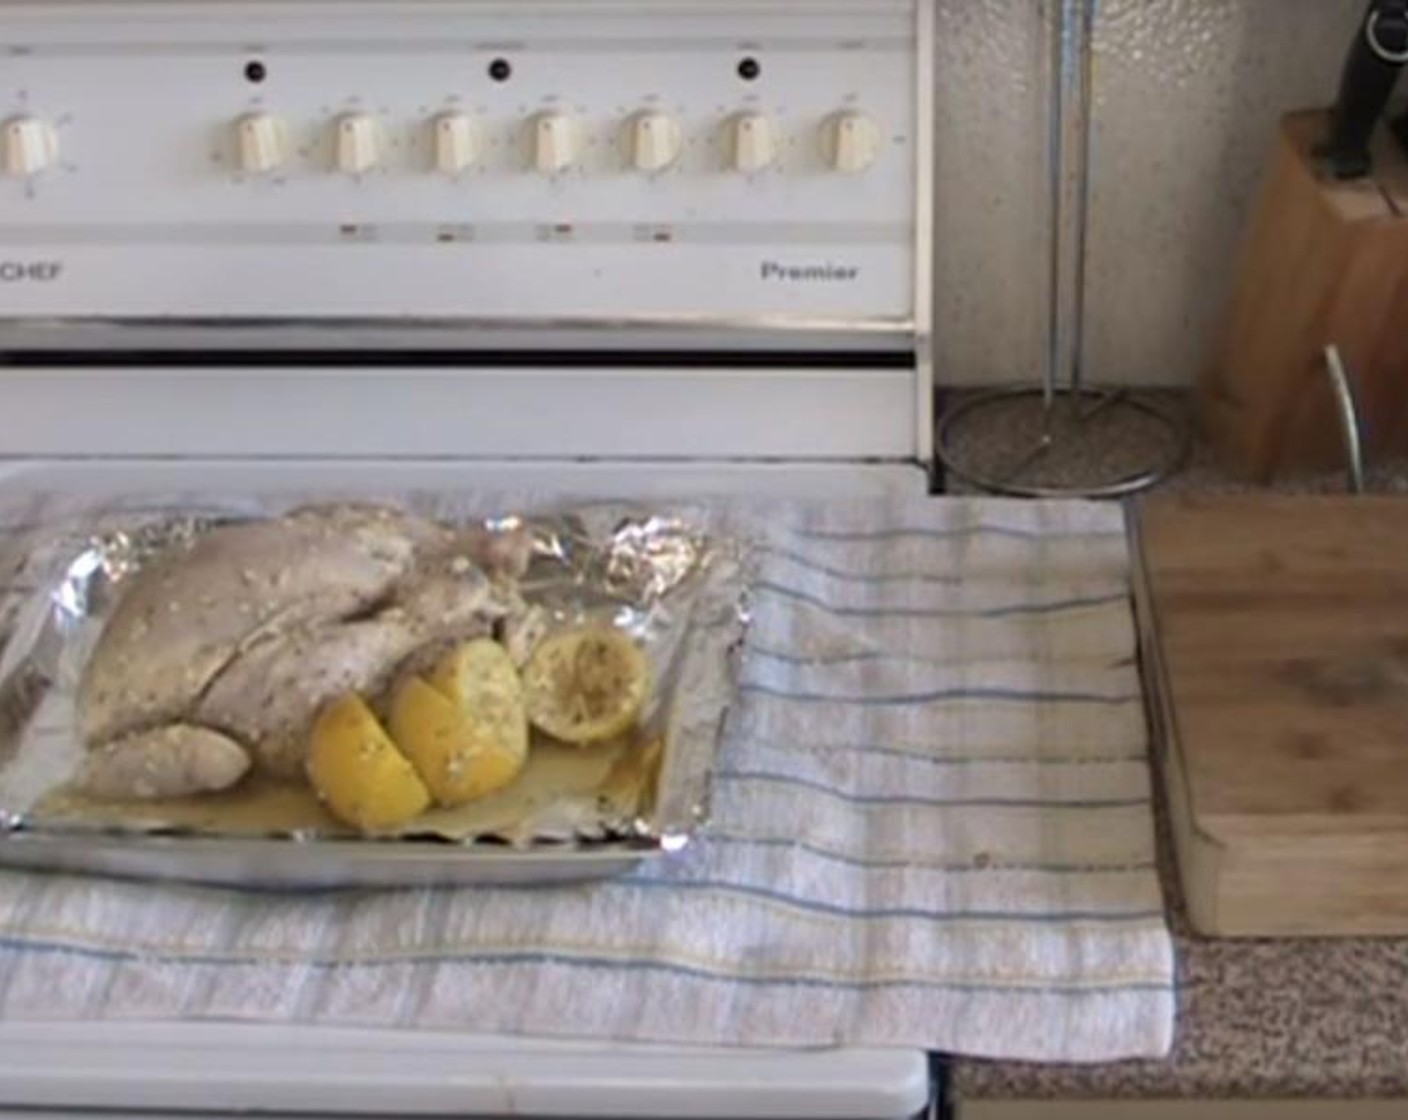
(1187, 94)
(991, 227)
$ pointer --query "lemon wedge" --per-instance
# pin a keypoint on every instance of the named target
(358, 772)
(463, 727)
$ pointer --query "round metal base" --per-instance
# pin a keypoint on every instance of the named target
(1091, 443)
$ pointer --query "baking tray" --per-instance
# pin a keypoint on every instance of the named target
(659, 572)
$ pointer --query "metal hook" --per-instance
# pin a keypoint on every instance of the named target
(1349, 417)
(1371, 34)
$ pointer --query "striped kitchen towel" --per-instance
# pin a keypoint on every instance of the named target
(932, 828)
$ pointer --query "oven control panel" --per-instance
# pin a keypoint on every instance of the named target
(535, 160)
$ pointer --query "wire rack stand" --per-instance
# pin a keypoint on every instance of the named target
(1082, 441)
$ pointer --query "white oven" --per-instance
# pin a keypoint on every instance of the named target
(521, 238)
(636, 246)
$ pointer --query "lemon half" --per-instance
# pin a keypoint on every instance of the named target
(586, 684)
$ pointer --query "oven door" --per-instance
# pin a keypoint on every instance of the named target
(862, 424)
(203, 1069)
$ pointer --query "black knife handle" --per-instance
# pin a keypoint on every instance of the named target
(1379, 53)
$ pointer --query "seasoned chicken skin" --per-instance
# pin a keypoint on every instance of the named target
(222, 656)
(189, 614)
(177, 760)
(269, 696)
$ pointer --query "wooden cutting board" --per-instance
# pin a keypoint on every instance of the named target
(1275, 641)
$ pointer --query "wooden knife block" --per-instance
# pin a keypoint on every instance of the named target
(1324, 262)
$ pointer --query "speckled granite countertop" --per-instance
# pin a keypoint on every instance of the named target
(1257, 1018)
(1275, 1018)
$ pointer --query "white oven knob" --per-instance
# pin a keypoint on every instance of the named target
(261, 142)
(456, 143)
(29, 146)
(850, 142)
(554, 142)
(752, 143)
(654, 140)
(357, 143)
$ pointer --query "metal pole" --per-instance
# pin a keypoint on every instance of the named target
(1070, 194)
(1071, 26)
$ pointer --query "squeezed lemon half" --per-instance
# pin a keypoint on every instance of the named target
(586, 684)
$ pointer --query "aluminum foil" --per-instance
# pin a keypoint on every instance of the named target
(660, 576)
